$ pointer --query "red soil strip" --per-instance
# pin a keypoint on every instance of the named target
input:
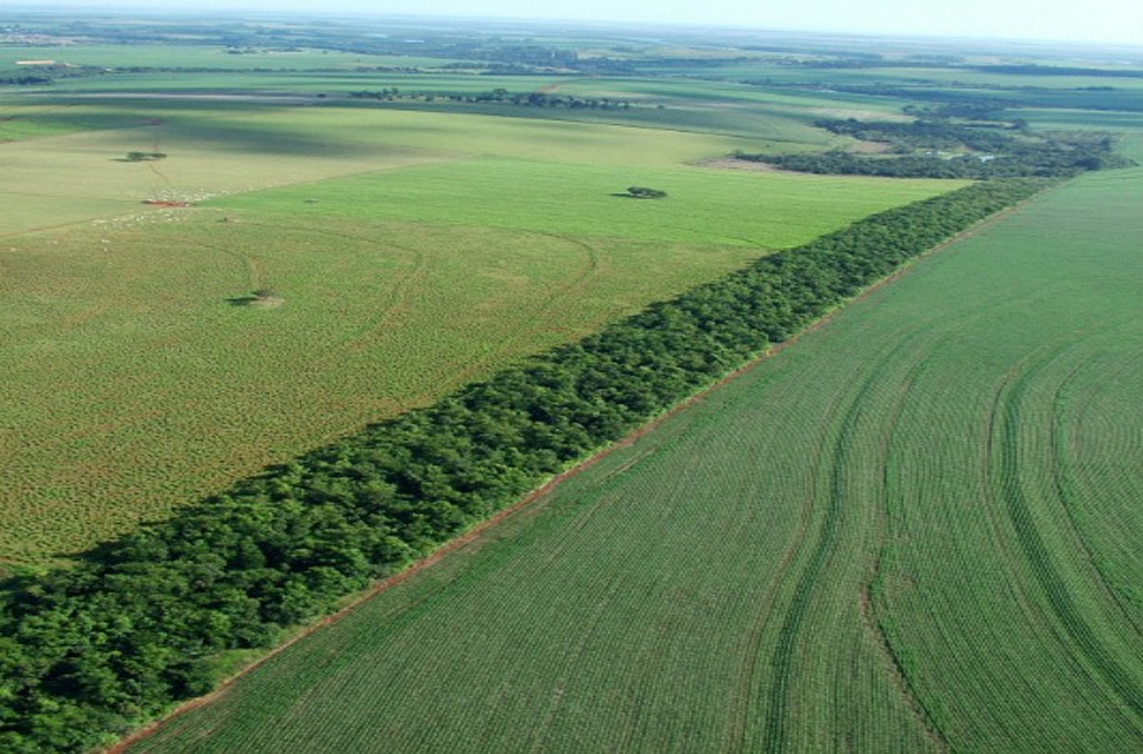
(165, 203)
(478, 530)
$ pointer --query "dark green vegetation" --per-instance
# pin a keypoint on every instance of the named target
(94, 649)
(644, 192)
(937, 148)
(145, 156)
(915, 530)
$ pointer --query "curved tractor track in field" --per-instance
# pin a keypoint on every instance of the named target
(875, 582)
(1009, 405)
(843, 514)
(1065, 483)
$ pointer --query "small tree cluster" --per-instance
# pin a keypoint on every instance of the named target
(642, 192)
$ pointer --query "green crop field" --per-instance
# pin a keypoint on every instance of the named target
(915, 530)
(415, 250)
(226, 244)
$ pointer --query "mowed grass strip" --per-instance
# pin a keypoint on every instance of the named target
(912, 531)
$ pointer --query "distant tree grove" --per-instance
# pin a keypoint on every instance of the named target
(89, 652)
(937, 148)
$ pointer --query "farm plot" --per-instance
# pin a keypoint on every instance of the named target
(222, 147)
(912, 531)
(133, 380)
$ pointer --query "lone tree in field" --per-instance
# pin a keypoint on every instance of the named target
(642, 192)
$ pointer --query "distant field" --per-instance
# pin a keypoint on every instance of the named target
(916, 530)
(1069, 119)
(712, 107)
(135, 386)
(200, 56)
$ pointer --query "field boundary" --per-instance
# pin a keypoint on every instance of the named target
(475, 533)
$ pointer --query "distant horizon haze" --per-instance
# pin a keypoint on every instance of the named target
(1108, 22)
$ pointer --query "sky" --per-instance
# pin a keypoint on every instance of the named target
(1107, 21)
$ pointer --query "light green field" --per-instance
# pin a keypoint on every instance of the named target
(132, 385)
(916, 530)
(704, 205)
(416, 251)
(1072, 119)
(199, 56)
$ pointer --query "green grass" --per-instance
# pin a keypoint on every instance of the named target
(82, 176)
(19, 121)
(703, 206)
(1063, 119)
(915, 530)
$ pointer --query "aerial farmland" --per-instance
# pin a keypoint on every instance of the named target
(473, 387)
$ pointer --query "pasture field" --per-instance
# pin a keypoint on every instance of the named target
(704, 205)
(23, 121)
(83, 176)
(219, 148)
(1061, 119)
(913, 531)
(415, 251)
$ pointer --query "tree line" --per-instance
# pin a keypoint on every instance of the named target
(496, 96)
(89, 652)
